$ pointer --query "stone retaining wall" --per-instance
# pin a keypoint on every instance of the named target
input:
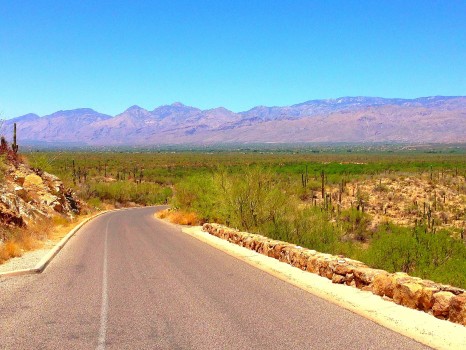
(442, 301)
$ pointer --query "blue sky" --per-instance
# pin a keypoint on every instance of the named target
(238, 54)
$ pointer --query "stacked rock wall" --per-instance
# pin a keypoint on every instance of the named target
(442, 301)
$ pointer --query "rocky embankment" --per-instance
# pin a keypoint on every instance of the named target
(442, 301)
(28, 194)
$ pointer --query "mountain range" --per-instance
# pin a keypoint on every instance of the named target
(435, 119)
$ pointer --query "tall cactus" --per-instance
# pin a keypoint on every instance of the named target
(322, 175)
(15, 145)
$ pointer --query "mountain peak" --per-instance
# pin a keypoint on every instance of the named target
(178, 104)
(26, 117)
(134, 108)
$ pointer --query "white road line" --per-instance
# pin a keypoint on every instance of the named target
(104, 309)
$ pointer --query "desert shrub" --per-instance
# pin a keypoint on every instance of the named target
(95, 202)
(318, 232)
(254, 199)
(199, 193)
(41, 161)
(418, 252)
(2, 167)
(125, 191)
(355, 224)
(179, 217)
(392, 249)
(380, 187)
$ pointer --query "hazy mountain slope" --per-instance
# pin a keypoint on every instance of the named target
(61, 126)
(347, 119)
(388, 123)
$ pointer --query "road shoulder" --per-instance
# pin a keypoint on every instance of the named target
(36, 261)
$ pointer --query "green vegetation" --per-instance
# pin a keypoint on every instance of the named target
(2, 167)
(335, 201)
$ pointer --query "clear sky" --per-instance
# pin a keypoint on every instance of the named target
(109, 55)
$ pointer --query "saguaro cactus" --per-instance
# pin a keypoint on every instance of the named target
(322, 175)
(15, 145)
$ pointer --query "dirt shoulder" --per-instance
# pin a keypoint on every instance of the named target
(29, 259)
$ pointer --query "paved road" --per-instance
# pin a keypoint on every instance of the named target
(127, 281)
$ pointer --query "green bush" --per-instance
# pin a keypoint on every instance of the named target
(125, 191)
(198, 193)
(418, 252)
(2, 167)
(355, 224)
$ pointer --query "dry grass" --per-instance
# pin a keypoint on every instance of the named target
(42, 233)
(179, 217)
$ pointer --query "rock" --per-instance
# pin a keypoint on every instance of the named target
(364, 276)
(426, 299)
(52, 202)
(261, 246)
(249, 242)
(441, 307)
(350, 280)
(10, 218)
(338, 279)
(285, 253)
(48, 199)
(312, 263)
(32, 181)
(345, 266)
(407, 294)
(58, 207)
(20, 192)
(269, 248)
(19, 178)
(451, 289)
(50, 178)
(382, 283)
(458, 309)
(277, 250)
(301, 259)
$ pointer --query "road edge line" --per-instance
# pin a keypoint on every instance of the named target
(43, 263)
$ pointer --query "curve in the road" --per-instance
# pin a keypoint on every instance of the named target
(126, 281)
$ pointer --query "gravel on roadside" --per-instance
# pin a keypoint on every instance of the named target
(26, 261)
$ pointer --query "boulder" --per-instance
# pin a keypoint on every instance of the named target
(441, 307)
(312, 263)
(391, 282)
(382, 284)
(458, 309)
(277, 250)
(19, 177)
(451, 289)
(33, 181)
(364, 276)
(300, 259)
(408, 294)
(287, 253)
(338, 279)
(426, 299)
(350, 280)
(48, 199)
(20, 192)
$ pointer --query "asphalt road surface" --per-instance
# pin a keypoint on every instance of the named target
(127, 281)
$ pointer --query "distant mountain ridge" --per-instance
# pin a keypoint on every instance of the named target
(437, 119)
